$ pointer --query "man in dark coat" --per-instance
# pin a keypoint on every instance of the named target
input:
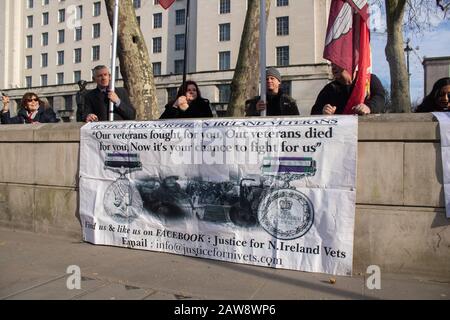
(97, 100)
(333, 98)
(278, 103)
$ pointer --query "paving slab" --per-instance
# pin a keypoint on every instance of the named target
(34, 266)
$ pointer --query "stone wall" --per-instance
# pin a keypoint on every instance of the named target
(400, 217)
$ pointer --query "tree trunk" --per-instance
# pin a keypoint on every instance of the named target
(246, 75)
(134, 60)
(401, 101)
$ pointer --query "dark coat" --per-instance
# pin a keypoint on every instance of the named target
(337, 94)
(43, 116)
(97, 102)
(199, 108)
(280, 104)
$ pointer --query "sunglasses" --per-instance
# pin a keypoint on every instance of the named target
(32, 99)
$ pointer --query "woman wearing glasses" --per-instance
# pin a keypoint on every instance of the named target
(438, 99)
(32, 110)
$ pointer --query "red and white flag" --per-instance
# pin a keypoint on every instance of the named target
(347, 45)
(166, 3)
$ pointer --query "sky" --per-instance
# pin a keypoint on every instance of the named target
(431, 42)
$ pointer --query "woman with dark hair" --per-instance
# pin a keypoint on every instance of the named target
(32, 110)
(439, 97)
(188, 104)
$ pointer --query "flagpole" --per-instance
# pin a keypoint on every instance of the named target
(262, 51)
(113, 58)
(186, 34)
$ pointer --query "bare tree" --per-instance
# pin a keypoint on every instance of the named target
(246, 75)
(443, 4)
(395, 10)
(134, 60)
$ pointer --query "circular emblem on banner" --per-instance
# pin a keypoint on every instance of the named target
(122, 200)
(286, 214)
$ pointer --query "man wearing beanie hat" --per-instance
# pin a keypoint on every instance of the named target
(278, 103)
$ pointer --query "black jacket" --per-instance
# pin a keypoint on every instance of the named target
(42, 116)
(277, 105)
(337, 94)
(199, 108)
(97, 102)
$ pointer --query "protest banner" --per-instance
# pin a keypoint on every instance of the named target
(444, 130)
(274, 192)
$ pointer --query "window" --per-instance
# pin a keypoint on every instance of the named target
(76, 76)
(60, 78)
(68, 101)
(224, 32)
(28, 81)
(61, 36)
(171, 93)
(136, 4)
(30, 4)
(224, 60)
(224, 92)
(96, 30)
(45, 2)
(118, 75)
(61, 15)
(60, 58)
(157, 20)
(282, 26)
(29, 62)
(29, 41)
(97, 9)
(44, 80)
(180, 17)
(224, 7)
(95, 53)
(157, 44)
(138, 18)
(156, 68)
(286, 87)
(179, 66)
(45, 39)
(45, 18)
(179, 42)
(77, 55)
(282, 3)
(79, 12)
(78, 33)
(29, 21)
(44, 60)
(283, 56)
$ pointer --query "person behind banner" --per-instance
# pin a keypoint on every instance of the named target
(333, 98)
(438, 99)
(278, 103)
(188, 104)
(32, 110)
(96, 107)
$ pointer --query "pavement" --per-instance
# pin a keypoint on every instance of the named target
(35, 267)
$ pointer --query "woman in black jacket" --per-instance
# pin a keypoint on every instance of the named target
(188, 104)
(438, 99)
(32, 110)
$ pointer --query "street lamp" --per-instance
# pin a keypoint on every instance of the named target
(408, 49)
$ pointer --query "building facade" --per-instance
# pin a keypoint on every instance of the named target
(51, 44)
(434, 69)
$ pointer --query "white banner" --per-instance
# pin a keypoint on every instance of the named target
(444, 126)
(274, 192)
